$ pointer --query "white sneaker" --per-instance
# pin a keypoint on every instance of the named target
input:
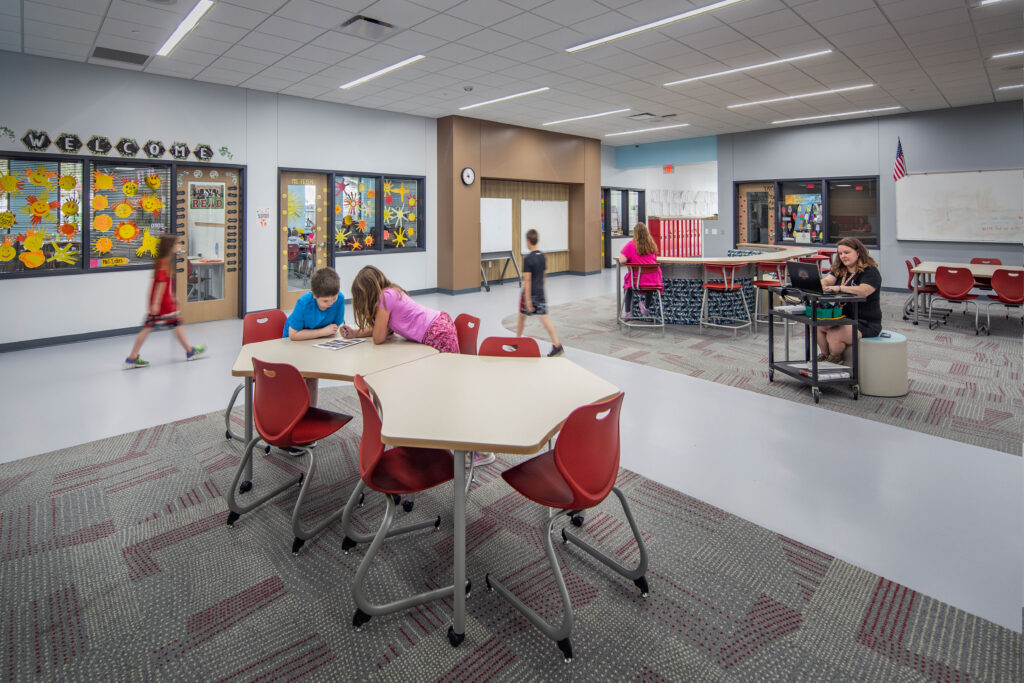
(481, 459)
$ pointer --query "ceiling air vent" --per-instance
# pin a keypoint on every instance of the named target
(646, 116)
(119, 56)
(367, 27)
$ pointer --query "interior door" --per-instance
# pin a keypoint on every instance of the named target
(302, 238)
(209, 210)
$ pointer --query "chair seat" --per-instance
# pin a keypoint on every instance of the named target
(927, 289)
(962, 297)
(316, 424)
(404, 470)
(539, 480)
(1004, 300)
(767, 283)
(648, 288)
(722, 287)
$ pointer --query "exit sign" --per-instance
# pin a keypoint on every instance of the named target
(669, 168)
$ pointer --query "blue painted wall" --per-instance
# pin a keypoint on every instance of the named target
(688, 151)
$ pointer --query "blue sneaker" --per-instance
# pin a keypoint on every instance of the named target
(196, 351)
(137, 362)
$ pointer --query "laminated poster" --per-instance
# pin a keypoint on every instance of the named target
(206, 202)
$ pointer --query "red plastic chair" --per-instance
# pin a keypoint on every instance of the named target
(467, 327)
(925, 288)
(984, 282)
(954, 284)
(636, 272)
(256, 327)
(284, 418)
(576, 475)
(509, 347)
(727, 285)
(394, 472)
(830, 254)
(777, 269)
(1009, 291)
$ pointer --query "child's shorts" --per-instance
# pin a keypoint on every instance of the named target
(442, 335)
(540, 305)
(162, 320)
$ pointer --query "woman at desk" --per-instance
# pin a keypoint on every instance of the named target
(853, 272)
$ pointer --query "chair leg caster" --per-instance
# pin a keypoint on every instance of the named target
(577, 520)
(359, 618)
(232, 518)
(347, 544)
(407, 505)
(245, 487)
(302, 475)
(455, 638)
(566, 647)
(469, 587)
(487, 580)
(297, 545)
(641, 583)
(266, 449)
(362, 498)
(565, 537)
(397, 498)
(437, 523)
(227, 434)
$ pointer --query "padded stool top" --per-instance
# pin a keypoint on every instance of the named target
(893, 338)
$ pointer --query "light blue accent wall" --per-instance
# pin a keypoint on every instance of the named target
(688, 151)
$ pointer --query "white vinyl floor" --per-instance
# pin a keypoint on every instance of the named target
(941, 517)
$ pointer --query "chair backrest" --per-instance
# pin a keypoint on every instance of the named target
(371, 448)
(467, 327)
(293, 252)
(953, 282)
(917, 261)
(635, 270)
(521, 347)
(263, 326)
(910, 275)
(776, 268)
(280, 399)
(587, 451)
(1008, 285)
(986, 261)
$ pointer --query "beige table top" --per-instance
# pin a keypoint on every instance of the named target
(497, 405)
(977, 269)
(342, 364)
(771, 253)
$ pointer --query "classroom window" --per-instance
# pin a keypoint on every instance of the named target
(401, 213)
(615, 216)
(800, 214)
(130, 206)
(355, 214)
(40, 215)
(378, 213)
(853, 210)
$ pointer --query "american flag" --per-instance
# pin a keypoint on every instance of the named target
(899, 169)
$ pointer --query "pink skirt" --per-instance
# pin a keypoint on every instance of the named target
(441, 335)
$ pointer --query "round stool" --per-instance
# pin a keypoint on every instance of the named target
(883, 365)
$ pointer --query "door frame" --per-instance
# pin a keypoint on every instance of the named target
(282, 227)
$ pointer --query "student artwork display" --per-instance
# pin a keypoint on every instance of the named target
(401, 223)
(40, 214)
(127, 213)
(682, 203)
(354, 213)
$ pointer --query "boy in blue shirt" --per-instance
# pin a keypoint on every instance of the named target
(317, 313)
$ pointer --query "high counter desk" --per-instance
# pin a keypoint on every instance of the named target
(684, 277)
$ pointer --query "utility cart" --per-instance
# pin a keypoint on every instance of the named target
(806, 371)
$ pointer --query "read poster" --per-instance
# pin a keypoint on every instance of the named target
(206, 203)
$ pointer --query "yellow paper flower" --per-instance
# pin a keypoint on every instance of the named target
(126, 232)
(11, 184)
(65, 254)
(7, 219)
(67, 182)
(102, 181)
(123, 210)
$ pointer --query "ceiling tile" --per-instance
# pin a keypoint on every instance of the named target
(234, 15)
(456, 52)
(178, 69)
(447, 27)
(769, 23)
(198, 43)
(292, 30)
(90, 6)
(263, 41)
(414, 42)
(488, 40)
(240, 65)
(251, 54)
(342, 42)
(526, 26)
(148, 15)
(61, 16)
(559, 40)
(53, 32)
(314, 13)
(223, 76)
(218, 31)
(484, 12)
(827, 9)
(281, 73)
(266, 6)
(304, 66)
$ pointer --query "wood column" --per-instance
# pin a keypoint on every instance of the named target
(458, 205)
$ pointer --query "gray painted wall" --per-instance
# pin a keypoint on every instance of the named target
(963, 139)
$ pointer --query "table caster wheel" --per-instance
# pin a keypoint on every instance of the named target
(455, 638)
(407, 505)
(577, 520)
(771, 375)
(856, 392)
(816, 394)
(245, 487)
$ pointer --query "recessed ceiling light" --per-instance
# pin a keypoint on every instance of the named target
(186, 25)
(797, 97)
(588, 116)
(645, 130)
(653, 24)
(506, 97)
(752, 66)
(385, 70)
(1011, 87)
(845, 113)
(1008, 54)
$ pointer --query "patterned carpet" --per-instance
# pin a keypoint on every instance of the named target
(116, 565)
(962, 387)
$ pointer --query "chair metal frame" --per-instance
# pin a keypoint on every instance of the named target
(943, 283)
(1001, 280)
(256, 327)
(779, 269)
(727, 285)
(635, 271)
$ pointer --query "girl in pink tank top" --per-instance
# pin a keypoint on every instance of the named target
(382, 307)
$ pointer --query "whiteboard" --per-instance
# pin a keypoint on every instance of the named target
(550, 219)
(966, 206)
(495, 224)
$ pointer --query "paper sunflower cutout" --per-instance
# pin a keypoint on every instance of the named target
(400, 237)
(40, 176)
(352, 202)
(123, 210)
(65, 254)
(104, 245)
(368, 241)
(126, 232)
(342, 236)
(337, 208)
(67, 182)
(401, 191)
(102, 181)
(11, 184)
(370, 194)
(69, 208)
(151, 204)
(388, 185)
(40, 208)
(149, 245)
(69, 230)
(355, 244)
(153, 181)
(99, 202)
(7, 219)
(7, 251)
(129, 188)
(103, 223)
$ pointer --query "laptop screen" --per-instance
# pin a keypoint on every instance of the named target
(804, 276)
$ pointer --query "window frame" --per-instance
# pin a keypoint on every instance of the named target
(378, 228)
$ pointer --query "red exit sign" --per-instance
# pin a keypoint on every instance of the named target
(669, 168)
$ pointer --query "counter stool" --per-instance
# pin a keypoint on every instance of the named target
(721, 289)
(883, 365)
(776, 269)
(654, 318)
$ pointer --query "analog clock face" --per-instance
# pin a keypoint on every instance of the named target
(468, 175)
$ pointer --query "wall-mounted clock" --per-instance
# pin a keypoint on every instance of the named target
(468, 176)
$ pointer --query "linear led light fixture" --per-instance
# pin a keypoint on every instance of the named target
(752, 66)
(186, 25)
(831, 116)
(1011, 87)
(797, 97)
(506, 97)
(385, 70)
(588, 116)
(653, 24)
(988, 2)
(646, 130)
(1007, 54)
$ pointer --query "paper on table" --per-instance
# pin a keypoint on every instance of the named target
(335, 344)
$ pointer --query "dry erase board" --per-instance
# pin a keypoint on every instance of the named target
(495, 224)
(965, 206)
(551, 221)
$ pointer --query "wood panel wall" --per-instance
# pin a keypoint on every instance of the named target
(518, 191)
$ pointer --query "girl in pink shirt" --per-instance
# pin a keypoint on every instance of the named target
(381, 307)
(640, 249)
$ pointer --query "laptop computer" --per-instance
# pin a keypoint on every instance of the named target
(806, 278)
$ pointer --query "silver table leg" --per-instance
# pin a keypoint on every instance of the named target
(247, 475)
(457, 631)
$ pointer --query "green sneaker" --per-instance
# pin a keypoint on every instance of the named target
(137, 362)
(196, 351)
